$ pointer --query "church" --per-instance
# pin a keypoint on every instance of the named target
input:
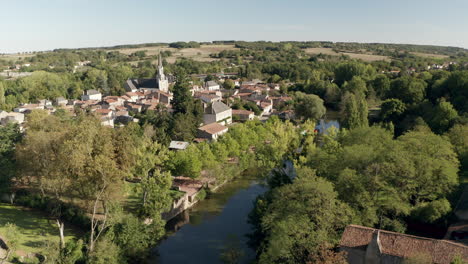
(160, 83)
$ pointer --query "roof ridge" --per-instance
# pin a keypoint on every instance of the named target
(408, 235)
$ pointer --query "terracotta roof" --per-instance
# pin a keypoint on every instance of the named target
(131, 94)
(213, 128)
(402, 245)
(103, 111)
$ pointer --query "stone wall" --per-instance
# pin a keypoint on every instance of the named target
(178, 206)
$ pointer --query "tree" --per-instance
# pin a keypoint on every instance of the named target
(229, 84)
(354, 111)
(156, 197)
(390, 179)
(299, 218)
(309, 106)
(356, 86)
(9, 137)
(391, 110)
(409, 90)
(444, 116)
(456, 87)
(381, 85)
(186, 163)
(75, 158)
(458, 135)
(106, 252)
(345, 71)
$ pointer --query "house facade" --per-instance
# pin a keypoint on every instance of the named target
(243, 115)
(217, 112)
(91, 95)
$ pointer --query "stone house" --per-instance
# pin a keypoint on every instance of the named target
(211, 131)
(91, 95)
(212, 86)
(217, 112)
(243, 115)
(61, 101)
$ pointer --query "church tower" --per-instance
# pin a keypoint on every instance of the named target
(163, 82)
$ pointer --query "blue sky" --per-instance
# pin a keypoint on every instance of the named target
(27, 25)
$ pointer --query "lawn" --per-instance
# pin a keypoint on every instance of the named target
(34, 227)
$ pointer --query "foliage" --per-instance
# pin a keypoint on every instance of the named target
(309, 106)
(299, 218)
(388, 177)
(9, 136)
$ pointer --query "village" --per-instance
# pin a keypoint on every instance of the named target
(213, 139)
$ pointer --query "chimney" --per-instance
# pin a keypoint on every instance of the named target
(374, 249)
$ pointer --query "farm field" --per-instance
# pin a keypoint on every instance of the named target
(197, 54)
(429, 55)
(34, 227)
(364, 57)
(15, 56)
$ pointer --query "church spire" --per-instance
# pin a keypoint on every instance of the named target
(160, 74)
(159, 60)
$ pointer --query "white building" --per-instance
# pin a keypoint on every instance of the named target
(212, 131)
(11, 117)
(91, 95)
(217, 112)
(212, 86)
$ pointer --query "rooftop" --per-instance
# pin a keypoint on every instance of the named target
(178, 145)
(213, 128)
(403, 245)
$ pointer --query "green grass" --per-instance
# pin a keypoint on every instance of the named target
(34, 227)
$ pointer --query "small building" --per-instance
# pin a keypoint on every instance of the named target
(133, 96)
(211, 131)
(212, 86)
(26, 108)
(11, 117)
(178, 145)
(365, 245)
(45, 102)
(243, 115)
(91, 95)
(217, 112)
(61, 101)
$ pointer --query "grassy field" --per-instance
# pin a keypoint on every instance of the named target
(428, 55)
(15, 56)
(364, 57)
(198, 54)
(35, 227)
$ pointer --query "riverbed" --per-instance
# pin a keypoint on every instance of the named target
(214, 227)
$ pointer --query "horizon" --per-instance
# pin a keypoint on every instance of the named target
(208, 42)
(43, 25)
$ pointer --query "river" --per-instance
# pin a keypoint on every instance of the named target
(213, 226)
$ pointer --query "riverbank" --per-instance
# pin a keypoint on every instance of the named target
(214, 226)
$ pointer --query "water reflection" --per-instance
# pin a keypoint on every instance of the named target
(214, 231)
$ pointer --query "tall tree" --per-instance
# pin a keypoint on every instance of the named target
(309, 106)
(354, 111)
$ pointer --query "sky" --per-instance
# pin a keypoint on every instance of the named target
(33, 25)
